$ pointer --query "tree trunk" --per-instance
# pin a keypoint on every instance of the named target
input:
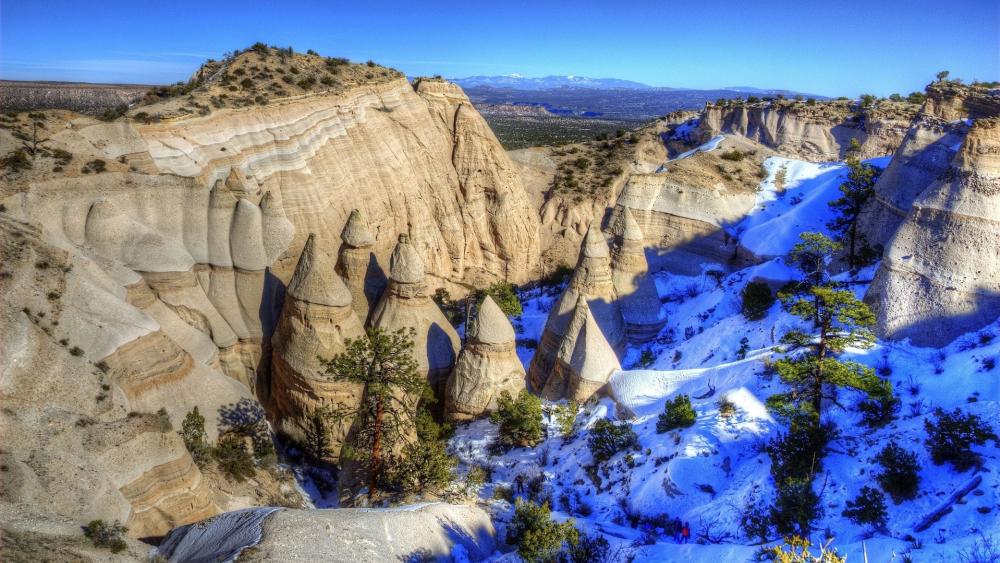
(374, 467)
(851, 260)
(817, 397)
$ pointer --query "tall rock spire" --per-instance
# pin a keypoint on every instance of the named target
(315, 321)
(487, 366)
(406, 304)
(357, 265)
(634, 287)
(591, 279)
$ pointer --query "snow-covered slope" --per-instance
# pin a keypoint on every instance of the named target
(706, 474)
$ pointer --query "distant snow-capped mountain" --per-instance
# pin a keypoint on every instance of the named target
(518, 82)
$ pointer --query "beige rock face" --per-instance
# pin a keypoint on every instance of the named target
(425, 163)
(180, 248)
(925, 154)
(486, 366)
(592, 281)
(315, 322)
(70, 445)
(585, 359)
(406, 305)
(818, 133)
(634, 287)
(940, 275)
(683, 220)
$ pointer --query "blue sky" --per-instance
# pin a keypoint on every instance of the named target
(832, 47)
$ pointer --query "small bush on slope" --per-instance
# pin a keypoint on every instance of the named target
(505, 295)
(565, 415)
(608, 438)
(539, 539)
(677, 413)
(798, 550)
(106, 535)
(899, 476)
(520, 420)
(195, 439)
(951, 436)
(234, 458)
(588, 549)
(868, 508)
(757, 299)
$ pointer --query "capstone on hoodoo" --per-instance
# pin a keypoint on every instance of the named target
(358, 266)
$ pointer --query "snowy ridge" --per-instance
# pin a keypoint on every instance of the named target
(221, 538)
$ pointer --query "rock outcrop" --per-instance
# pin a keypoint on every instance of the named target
(406, 305)
(84, 438)
(634, 287)
(358, 266)
(181, 229)
(819, 132)
(486, 366)
(940, 275)
(419, 161)
(315, 322)
(591, 281)
(585, 360)
(683, 217)
(926, 152)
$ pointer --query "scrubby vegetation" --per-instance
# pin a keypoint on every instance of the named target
(110, 536)
(951, 435)
(677, 413)
(519, 420)
(538, 538)
(757, 299)
(900, 475)
(608, 438)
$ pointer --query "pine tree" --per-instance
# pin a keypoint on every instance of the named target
(195, 438)
(317, 440)
(840, 321)
(384, 363)
(856, 191)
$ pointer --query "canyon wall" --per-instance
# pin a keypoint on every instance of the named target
(818, 132)
(176, 240)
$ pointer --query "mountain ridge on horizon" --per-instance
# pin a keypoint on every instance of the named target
(516, 81)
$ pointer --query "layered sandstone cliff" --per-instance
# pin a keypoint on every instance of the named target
(940, 275)
(821, 132)
(182, 231)
(926, 152)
